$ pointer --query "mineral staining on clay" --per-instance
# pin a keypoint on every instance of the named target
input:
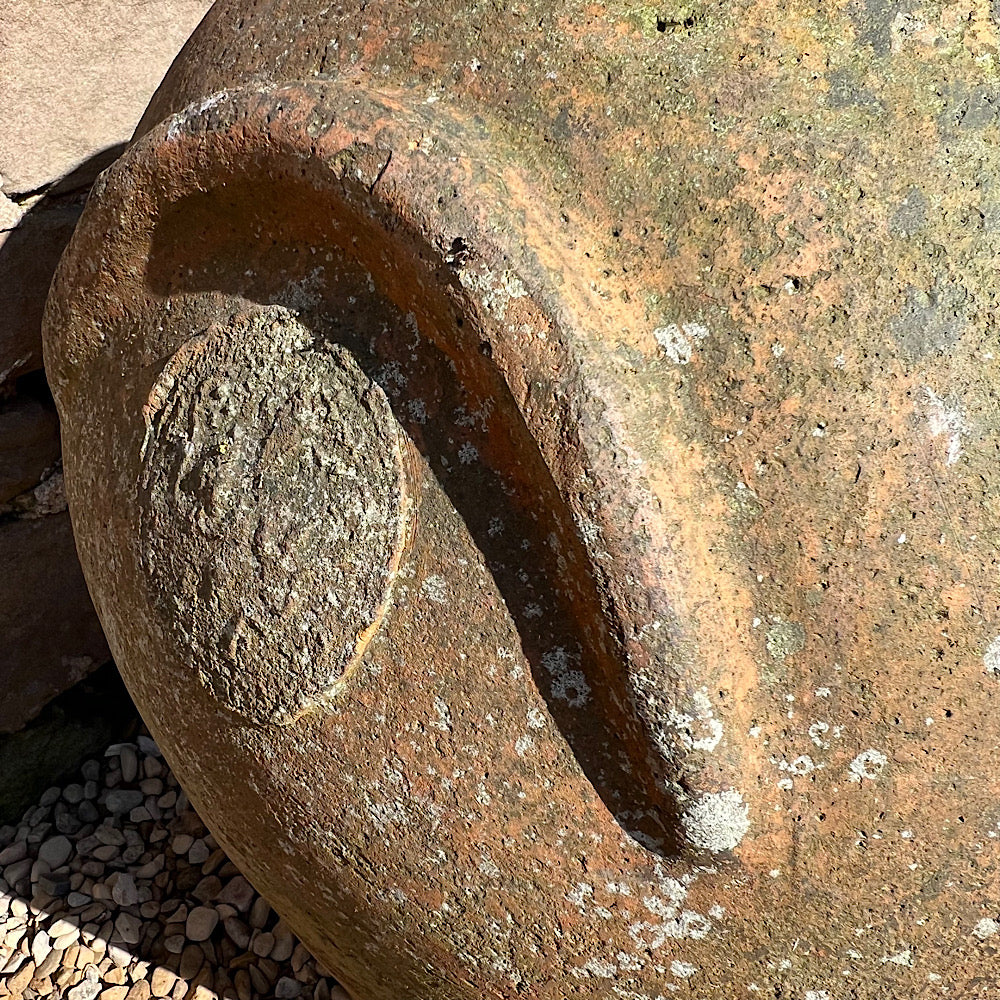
(275, 512)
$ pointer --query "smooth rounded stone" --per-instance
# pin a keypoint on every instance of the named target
(123, 890)
(208, 888)
(66, 940)
(50, 963)
(140, 814)
(287, 988)
(201, 922)
(132, 854)
(54, 885)
(21, 978)
(140, 990)
(300, 956)
(88, 989)
(151, 786)
(62, 926)
(113, 976)
(122, 800)
(68, 823)
(162, 981)
(73, 793)
(41, 945)
(87, 812)
(14, 962)
(110, 835)
(129, 764)
(18, 870)
(262, 944)
(91, 790)
(192, 959)
(129, 927)
(181, 844)
(167, 800)
(77, 898)
(238, 892)
(243, 984)
(12, 853)
(148, 745)
(284, 944)
(238, 932)
(198, 853)
(114, 993)
(106, 852)
(260, 982)
(49, 797)
(175, 943)
(151, 868)
(260, 912)
(121, 957)
(91, 770)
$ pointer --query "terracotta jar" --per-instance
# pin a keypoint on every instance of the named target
(536, 467)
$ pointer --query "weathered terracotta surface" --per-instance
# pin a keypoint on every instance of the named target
(540, 468)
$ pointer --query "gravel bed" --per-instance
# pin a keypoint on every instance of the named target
(111, 888)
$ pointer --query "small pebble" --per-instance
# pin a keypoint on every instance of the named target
(129, 927)
(201, 921)
(124, 892)
(121, 800)
(73, 793)
(287, 988)
(175, 943)
(162, 982)
(17, 851)
(262, 944)
(192, 959)
(86, 990)
(182, 843)
(259, 913)
(198, 852)
(50, 796)
(129, 764)
(40, 947)
(106, 894)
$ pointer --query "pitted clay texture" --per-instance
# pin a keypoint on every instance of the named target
(274, 514)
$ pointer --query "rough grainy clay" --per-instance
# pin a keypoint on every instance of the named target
(686, 318)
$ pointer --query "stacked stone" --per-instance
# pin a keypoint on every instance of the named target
(59, 130)
(112, 889)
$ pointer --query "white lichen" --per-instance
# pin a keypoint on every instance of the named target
(678, 341)
(986, 928)
(717, 821)
(991, 658)
(947, 421)
(868, 764)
